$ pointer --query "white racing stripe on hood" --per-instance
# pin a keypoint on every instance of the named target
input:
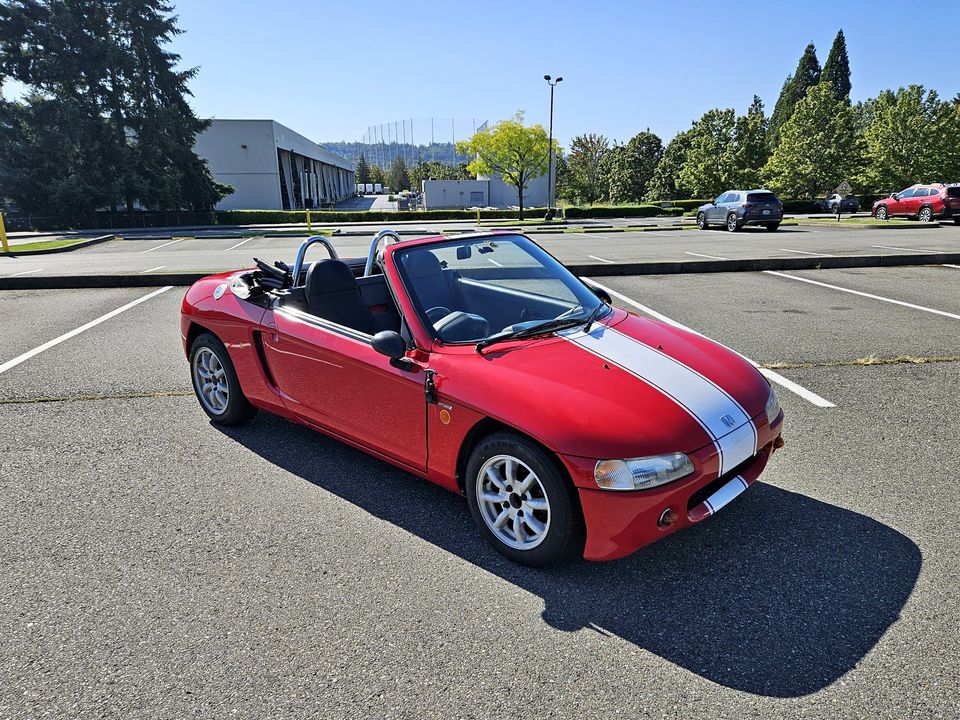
(704, 400)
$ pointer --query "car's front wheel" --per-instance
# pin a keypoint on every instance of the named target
(522, 502)
(956, 219)
(881, 213)
(925, 215)
(732, 223)
(216, 384)
(702, 221)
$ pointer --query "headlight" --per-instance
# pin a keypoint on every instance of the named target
(642, 473)
(773, 406)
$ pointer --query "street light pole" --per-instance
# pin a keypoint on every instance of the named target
(550, 183)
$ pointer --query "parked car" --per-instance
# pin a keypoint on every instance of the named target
(923, 202)
(847, 204)
(482, 364)
(736, 208)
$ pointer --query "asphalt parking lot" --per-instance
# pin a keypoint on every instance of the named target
(155, 566)
(144, 255)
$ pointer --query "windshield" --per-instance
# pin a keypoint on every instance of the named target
(471, 289)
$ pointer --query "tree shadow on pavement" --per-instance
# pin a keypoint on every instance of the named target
(779, 595)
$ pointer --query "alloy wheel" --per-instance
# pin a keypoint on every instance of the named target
(513, 502)
(210, 380)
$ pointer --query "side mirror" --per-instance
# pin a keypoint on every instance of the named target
(895, 196)
(391, 344)
(602, 294)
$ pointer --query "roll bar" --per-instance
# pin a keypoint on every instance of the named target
(372, 255)
(298, 264)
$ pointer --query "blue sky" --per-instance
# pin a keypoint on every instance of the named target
(329, 69)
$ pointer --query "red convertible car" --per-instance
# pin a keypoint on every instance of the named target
(482, 364)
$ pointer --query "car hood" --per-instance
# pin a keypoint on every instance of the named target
(630, 387)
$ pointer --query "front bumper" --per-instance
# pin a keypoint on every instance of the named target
(620, 523)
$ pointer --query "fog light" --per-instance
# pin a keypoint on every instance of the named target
(667, 518)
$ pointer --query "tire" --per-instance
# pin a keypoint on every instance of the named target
(772, 227)
(733, 224)
(925, 214)
(702, 223)
(881, 213)
(225, 402)
(557, 531)
(956, 219)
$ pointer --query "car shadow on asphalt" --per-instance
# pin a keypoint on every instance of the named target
(779, 595)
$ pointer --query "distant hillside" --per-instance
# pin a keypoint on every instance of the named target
(383, 153)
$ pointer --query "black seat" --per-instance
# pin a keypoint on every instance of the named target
(431, 282)
(332, 294)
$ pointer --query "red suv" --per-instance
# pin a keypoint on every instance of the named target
(923, 202)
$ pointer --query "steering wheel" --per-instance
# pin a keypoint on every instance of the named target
(437, 313)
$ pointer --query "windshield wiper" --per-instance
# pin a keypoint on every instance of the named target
(593, 316)
(543, 328)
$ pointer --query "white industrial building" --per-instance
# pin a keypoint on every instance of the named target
(271, 167)
(483, 192)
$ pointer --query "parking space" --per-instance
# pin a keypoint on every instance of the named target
(156, 563)
(141, 255)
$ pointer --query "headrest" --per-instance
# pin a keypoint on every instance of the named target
(422, 264)
(330, 276)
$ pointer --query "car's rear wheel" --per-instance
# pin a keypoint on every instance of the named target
(732, 223)
(702, 223)
(881, 213)
(522, 502)
(771, 227)
(925, 214)
(216, 384)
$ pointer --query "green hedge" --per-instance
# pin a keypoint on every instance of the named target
(573, 213)
(324, 217)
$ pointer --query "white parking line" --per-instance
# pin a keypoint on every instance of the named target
(772, 376)
(863, 294)
(240, 243)
(804, 252)
(953, 266)
(56, 341)
(26, 272)
(712, 257)
(891, 247)
(594, 257)
(162, 246)
(158, 267)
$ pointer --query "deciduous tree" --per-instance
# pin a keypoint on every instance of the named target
(583, 183)
(515, 152)
(912, 136)
(710, 166)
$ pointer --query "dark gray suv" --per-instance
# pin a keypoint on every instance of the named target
(736, 208)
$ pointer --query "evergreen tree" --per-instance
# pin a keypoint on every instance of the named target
(836, 70)
(377, 175)
(819, 147)
(632, 167)
(399, 177)
(795, 89)
(103, 64)
(362, 172)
